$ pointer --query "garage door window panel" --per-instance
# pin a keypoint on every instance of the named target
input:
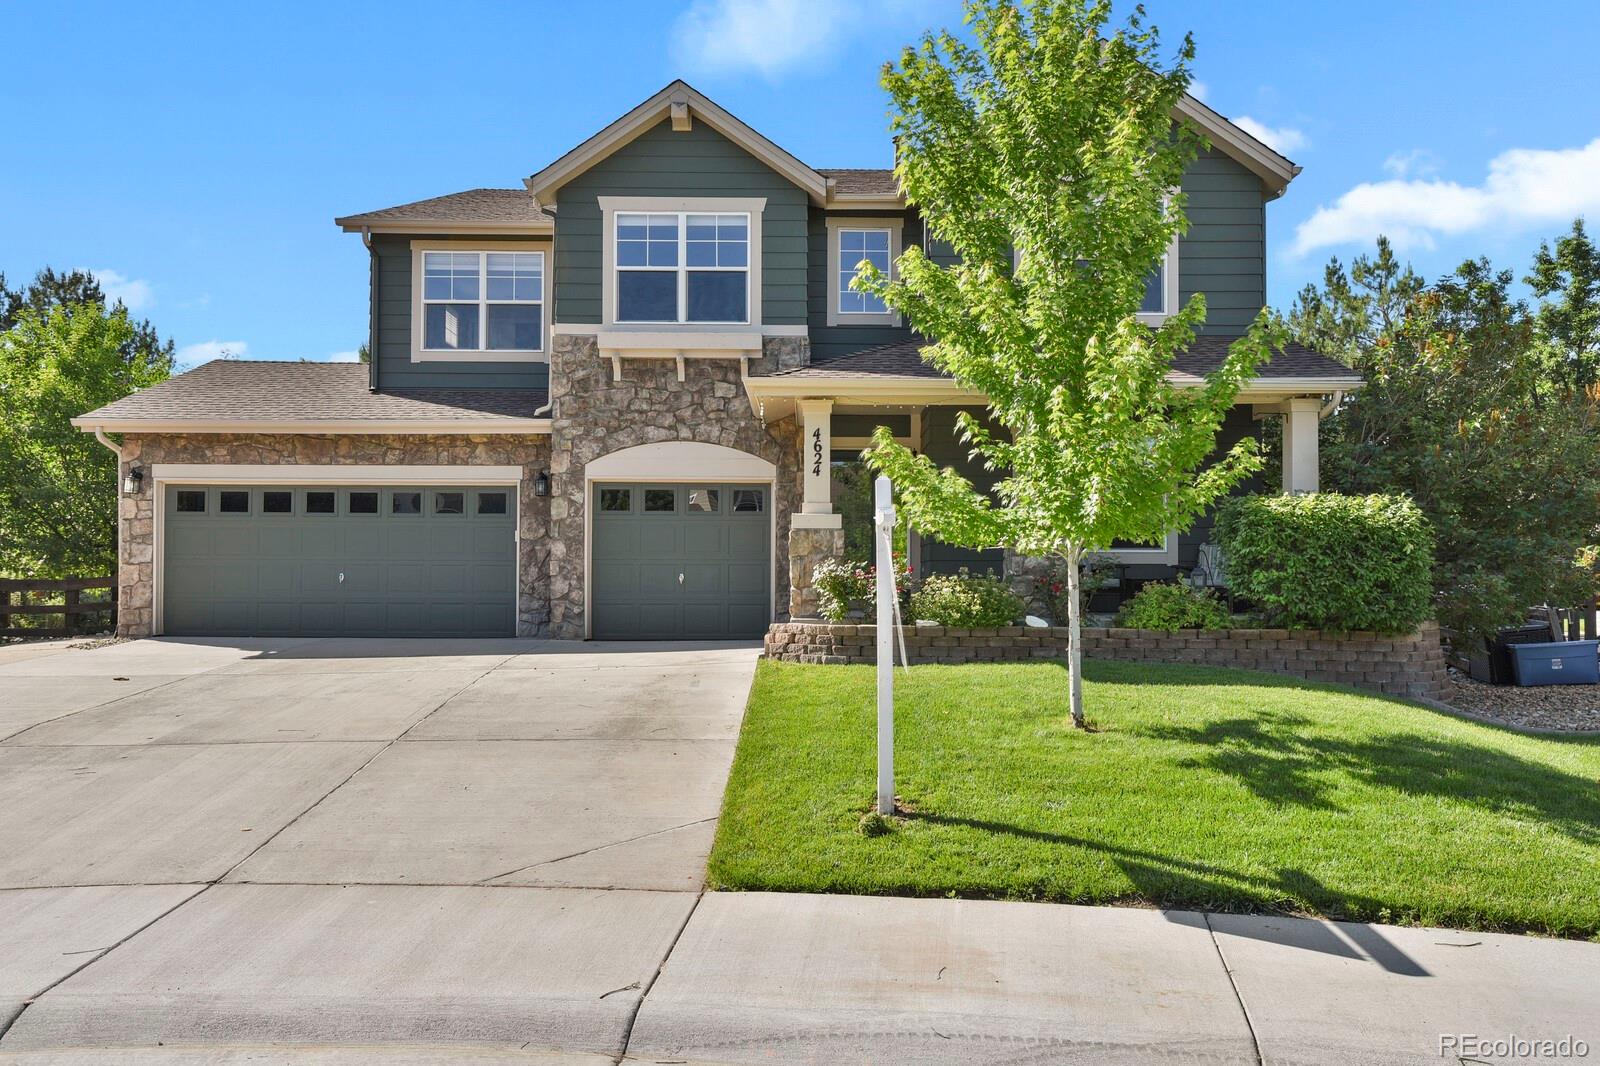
(191, 501)
(491, 503)
(363, 503)
(274, 501)
(320, 503)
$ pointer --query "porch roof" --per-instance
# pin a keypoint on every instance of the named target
(896, 374)
(903, 359)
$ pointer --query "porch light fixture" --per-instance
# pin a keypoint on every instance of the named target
(132, 480)
(541, 484)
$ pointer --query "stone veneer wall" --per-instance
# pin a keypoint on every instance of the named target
(1409, 665)
(595, 415)
(136, 514)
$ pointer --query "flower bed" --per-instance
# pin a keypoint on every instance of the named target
(1406, 665)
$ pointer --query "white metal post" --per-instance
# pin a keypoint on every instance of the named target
(884, 507)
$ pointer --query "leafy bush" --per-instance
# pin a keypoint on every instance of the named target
(1173, 605)
(966, 601)
(840, 584)
(1094, 573)
(1325, 561)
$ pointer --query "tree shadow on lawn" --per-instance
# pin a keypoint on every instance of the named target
(1171, 882)
(1286, 758)
(1280, 758)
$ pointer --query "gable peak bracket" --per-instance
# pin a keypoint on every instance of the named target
(681, 122)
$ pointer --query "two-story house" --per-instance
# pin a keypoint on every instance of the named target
(605, 404)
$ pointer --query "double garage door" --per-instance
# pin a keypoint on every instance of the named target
(322, 560)
(688, 561)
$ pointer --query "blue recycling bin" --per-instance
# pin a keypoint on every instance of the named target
(1569, 662)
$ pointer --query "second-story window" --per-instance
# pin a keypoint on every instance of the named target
(683, 267)
(856, 246)
(483, 301)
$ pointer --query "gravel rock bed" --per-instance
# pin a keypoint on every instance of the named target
(1570, 708)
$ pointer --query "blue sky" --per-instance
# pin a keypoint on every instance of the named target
(194, 155)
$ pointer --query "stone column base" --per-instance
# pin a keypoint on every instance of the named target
(807, 548)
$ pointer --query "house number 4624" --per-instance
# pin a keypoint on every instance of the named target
(816, 452)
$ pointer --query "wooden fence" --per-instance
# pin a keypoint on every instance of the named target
(1577, 623)
(23, 598)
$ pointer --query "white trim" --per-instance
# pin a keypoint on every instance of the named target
(419, 354)
(442, 227)
(1169, 287)
(621, 330)
(647, 116)
(680, 460)
(836, 225)
(611, 206)
(354, 427)
(164, 474)
(1275, 170)
(1166, 555)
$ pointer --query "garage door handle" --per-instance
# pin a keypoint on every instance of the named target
(680, 579)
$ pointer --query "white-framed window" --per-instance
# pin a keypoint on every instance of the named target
(857, 246)
(478, 303)
(1165, 553)
(852, 241)
(1161, 288)
(682, 267)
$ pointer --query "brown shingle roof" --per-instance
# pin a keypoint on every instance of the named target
(474, 205)
(248, 390)
(862, 182)
(904, 359)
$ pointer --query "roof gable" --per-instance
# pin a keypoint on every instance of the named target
(680, 102)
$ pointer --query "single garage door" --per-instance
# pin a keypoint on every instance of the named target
(680, 562)
(319, 560)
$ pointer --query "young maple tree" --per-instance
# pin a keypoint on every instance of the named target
(1048, 157)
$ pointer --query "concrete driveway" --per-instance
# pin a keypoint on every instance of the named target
(346, 842)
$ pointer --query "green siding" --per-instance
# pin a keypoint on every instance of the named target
(829, 341)
(941, 444)
(1224, 253)
(699, 162)
(395, 368)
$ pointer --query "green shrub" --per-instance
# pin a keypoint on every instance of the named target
(840, 584)
(966, 601)
(1325, 561)
(1172, 605)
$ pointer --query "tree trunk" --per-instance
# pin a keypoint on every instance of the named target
(1074, 555)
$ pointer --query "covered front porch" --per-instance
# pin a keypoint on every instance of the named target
(839, 404)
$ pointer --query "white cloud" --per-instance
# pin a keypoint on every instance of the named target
(343, 357)
(1417, 163)
(1199, 90)
(1524, 187)
(1283, 139)
(772, 37)
(768, 36)
(134, 293)
(194, 354)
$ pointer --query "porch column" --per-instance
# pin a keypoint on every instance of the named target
(817, 456)
(1300, 456)
(816, 533)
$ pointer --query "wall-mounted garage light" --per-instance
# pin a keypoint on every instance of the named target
(541, 484)
(132, 480)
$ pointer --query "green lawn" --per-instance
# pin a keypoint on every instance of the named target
(1200, 787)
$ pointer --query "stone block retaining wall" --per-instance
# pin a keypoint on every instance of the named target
(1409, 665)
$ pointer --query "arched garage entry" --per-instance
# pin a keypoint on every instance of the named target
(679, 543)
